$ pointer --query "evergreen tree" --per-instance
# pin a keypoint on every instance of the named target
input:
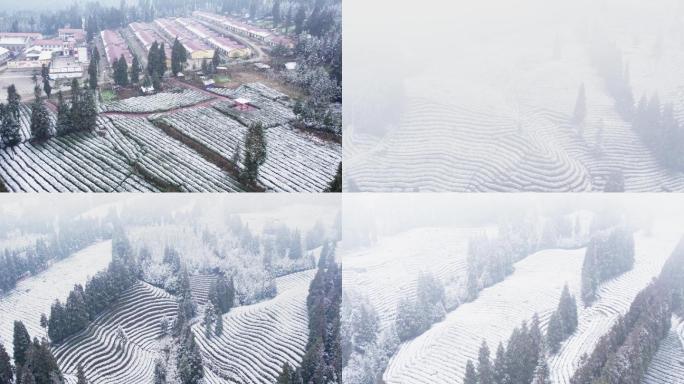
(219, 324)
(209, 320)
(21, 344)
(162, 61)
(135, 70)
(554, 332)
(42, 364)
(88, 116)
(6, 369)
(216, 60)
(121, 71)
(159, 372)
(285, 376)
(27, 377)
(580, 106)
(178, 57)
(152, 59)
(57, 322)
(11, 130)
(485, 371)
(189, 360)
(541, 373)
(500, 376)
(47, 88)
(63, 116)
(299, 21)
(567, 309)
(13, 99)
(275, 12)
(295, 251)
(40, 118)
(470, 375)
(93, 69)
(80, 375)
(336, 183)
(75, 115)
(222, 294)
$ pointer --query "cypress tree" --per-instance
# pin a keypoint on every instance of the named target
(485, 371)
(152, 56)
(554, 332)
(580, 106)
(336, 183)
(93, 68)
(88, 118)
(21, 344)
(40, 118)
(219, 323)
(47, 88)
(11, 130)
(63, 116)
(567, 308)
(13, 99)
(135, 70)
(162, 61)
(470, 375)
(6, 369)
(75, 113)
(80, 375)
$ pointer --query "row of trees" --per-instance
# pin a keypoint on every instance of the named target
(416, 314)
(563, 321)
(83, 305)
(156, 65)
(623, 354)
(73, 235)
(520, 362)
(660, 131)
(523, 360)
(81, 115)
(322, 361)
(221, 300)
(9, 117)
(33, 361)
(489, 262)
(609, 253)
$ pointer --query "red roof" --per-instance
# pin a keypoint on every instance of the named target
(115, 46)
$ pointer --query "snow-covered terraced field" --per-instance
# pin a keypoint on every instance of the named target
(200, 285)
(667, 366)
(25, 123)
(108, 358)
(614, 299)
(167, 160)
(388, 271)
(127, 154)
(258, 339)
(440, 354)
(34, 295)
(296, 161)
(160, 102)
(511, 132)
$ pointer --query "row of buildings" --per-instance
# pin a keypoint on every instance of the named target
(244, 29)
(65, 54)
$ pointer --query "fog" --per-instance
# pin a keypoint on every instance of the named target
(388, 214)
(44, 5)
(422, 72)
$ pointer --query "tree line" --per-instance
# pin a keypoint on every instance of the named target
(523, 359)
(322, 361)
(623, 354)
(72, 236)
(609, 253)
(84, 305)
(33, 360)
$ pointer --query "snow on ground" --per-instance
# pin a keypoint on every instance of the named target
(258, 339)
(614, 299)
(498, 119)
(121, 345)
(667, 366)
(34, 295)
(440, 354)
(389, 270)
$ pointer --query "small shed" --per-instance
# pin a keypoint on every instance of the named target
(242, 104)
